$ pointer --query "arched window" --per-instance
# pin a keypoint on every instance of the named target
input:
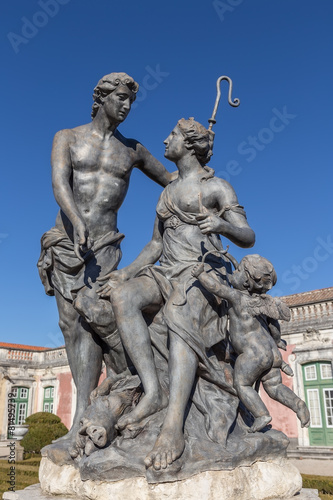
(318, 386)
(48, 399)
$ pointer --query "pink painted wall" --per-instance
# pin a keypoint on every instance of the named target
(64, 410)
(102, 377)
(283, 419)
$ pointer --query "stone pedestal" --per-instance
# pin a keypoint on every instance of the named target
(274, 480)
(5, 450)
(35, 493)
(19, 452)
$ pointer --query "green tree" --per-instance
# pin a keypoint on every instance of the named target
(43, 429)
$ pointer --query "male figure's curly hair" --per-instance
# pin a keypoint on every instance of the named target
(198, 138)
(260, 270)
(108, 84)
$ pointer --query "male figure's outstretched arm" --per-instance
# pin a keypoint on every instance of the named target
(151, 167)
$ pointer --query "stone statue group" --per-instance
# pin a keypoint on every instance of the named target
(186, 342)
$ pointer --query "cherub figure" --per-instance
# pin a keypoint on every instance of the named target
(255, 336)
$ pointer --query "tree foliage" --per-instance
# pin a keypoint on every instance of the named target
(43, 429)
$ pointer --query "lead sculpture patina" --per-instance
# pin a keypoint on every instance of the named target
(178, 398)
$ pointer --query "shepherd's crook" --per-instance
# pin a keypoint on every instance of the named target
(233, 103)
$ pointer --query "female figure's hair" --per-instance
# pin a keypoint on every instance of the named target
(260, 271)
(108, 84)
(197, 138)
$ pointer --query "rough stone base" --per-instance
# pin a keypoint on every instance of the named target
(261, 481)
(35, 493)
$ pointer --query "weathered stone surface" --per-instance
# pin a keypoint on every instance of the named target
(33, 492)
(307, 494)
(125, 459)
(261, 481)
(36, 493)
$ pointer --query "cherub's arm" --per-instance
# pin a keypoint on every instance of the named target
(275, 331)
(213, 285)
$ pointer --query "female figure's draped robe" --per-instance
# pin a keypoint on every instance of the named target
(194, 314)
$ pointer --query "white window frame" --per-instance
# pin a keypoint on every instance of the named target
(321, 422)
(24, 393)
(306, 375)
(48, 399)
(20, 420)
(325, 407)
(321, 371)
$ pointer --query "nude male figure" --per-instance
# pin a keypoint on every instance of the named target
(91, 168)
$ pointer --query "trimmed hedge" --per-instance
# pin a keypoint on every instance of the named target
(323, 484)
(43, 429)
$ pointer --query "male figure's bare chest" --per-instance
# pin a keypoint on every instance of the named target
(92, 156)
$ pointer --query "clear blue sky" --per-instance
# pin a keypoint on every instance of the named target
(275, 149)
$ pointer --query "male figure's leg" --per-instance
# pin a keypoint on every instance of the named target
(98, 313)
(129, 300)
(84, 356)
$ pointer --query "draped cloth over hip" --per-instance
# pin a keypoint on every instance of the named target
(60, 269)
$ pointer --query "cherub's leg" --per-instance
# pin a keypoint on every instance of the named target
(272, 383)
(129, 300)
(248, 369)
(170, 443)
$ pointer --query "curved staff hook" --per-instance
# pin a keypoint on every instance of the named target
(234, 103)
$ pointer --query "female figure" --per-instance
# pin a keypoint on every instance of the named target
(192, 211)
